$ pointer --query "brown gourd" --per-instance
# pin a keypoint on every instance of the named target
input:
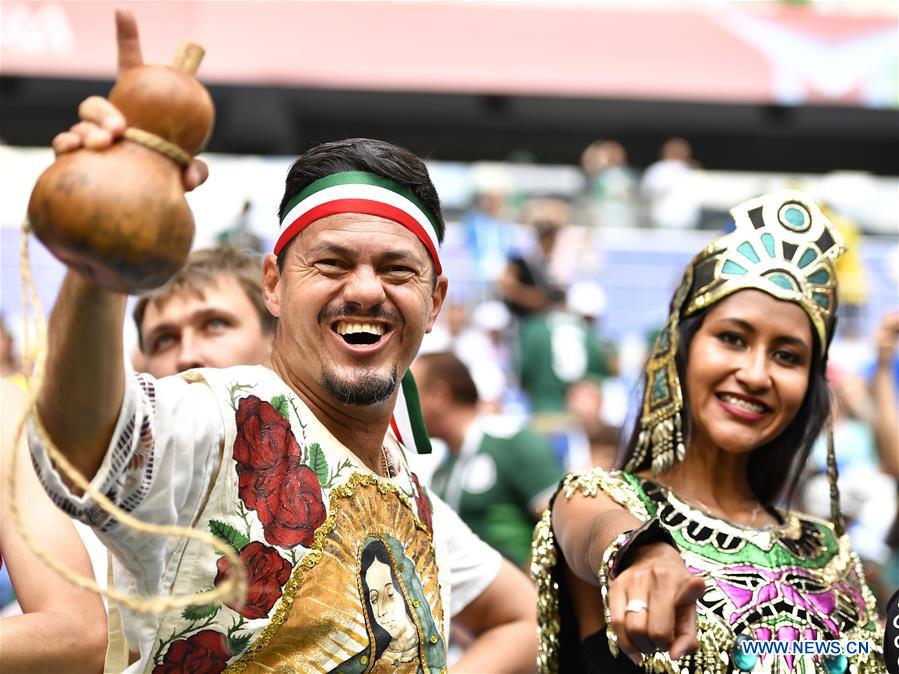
(119, 215)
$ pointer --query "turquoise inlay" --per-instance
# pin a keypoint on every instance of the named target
(784, 282)
(820, 277)
(821, 300)
(807, 258)
(731, 267)
(836, 664)
(659, 386)
(768, 242)
(743, 659)
(795, 217)
(748, 251)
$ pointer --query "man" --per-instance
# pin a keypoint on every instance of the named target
(293, 466)
(499, 474)
(211, 313)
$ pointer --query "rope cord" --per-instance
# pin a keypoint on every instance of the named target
(159, 144)
(232, 590)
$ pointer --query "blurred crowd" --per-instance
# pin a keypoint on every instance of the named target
(522, 381)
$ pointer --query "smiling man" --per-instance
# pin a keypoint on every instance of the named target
(297, 465)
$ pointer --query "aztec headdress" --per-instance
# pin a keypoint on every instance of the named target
(783, 245)
(371, 194)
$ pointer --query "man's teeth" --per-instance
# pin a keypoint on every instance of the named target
(345, 328)
(745, 404)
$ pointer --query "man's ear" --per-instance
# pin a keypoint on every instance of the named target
(438, 297)
(271, 280)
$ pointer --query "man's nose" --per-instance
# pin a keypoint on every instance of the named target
(364, 288)
(190, 354)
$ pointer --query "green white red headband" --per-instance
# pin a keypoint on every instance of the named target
(359, 192)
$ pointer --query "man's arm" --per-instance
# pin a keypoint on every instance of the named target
(84, 385)
(63, 628)
(85, 373)
(503, 619)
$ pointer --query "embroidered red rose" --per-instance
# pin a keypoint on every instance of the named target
(423, 503)
(267, 571)
(205, 652)
(272, 480)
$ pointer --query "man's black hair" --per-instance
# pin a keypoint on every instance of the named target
(362, 154)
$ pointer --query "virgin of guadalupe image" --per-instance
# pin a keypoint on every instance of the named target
(403, 636)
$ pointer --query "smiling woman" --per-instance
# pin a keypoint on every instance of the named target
(675, 562)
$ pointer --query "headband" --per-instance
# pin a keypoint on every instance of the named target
(359, 192)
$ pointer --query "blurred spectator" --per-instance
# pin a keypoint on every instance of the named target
(9, 360)
(240, 235)
(488, 236)
(483, 347)
(669, 187)
(585, 403)
(210, 314)
(525, 285)
(854, 291)
(886, 425)
(62, 628)
(498, 474)
(559, 348)
(611, 184)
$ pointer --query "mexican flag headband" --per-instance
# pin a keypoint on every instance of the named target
(359, 192)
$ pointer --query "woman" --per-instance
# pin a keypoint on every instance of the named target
(398, 620)
(681, 562)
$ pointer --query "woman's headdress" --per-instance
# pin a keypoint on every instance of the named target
(783, 245)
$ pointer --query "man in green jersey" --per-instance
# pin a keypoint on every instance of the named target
(499, 473)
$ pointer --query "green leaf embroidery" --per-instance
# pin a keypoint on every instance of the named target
(229, 534)
(200, 612)
(318, 463)
(238, 644)
(281, 406)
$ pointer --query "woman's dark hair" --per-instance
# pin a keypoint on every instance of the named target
(376, 550)
(363, 154)
(775, 467)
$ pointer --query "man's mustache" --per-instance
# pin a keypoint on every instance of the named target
(350, 311)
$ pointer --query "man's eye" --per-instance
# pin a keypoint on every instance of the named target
(216, 324)
(162, 343)
(399, 271)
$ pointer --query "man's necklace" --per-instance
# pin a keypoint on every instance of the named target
(387, 464)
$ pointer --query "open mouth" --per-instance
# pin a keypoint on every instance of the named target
(358, 334)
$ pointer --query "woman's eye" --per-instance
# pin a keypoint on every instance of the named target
(731, 338)
(788, 357)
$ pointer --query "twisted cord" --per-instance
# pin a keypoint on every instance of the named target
(232, 590)
(159, 144)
